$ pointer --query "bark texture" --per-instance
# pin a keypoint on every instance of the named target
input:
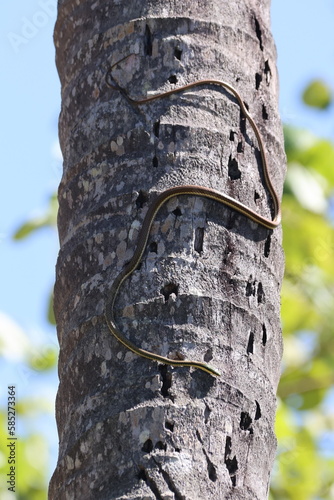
(208, 286)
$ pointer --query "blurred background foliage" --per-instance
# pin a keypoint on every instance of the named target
(304, 468)
(305, 416)
(32, 360)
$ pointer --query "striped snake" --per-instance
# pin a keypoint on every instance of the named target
(166, 195)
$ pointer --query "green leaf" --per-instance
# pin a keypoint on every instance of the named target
(306, 149)
(51, 316)
(308, 241)
(29, 227)
(297, 141)
(33, 407)
(317, 95)
(298, 312)
(312, 399)
(320, 157)
(300, 471)
(32, 464)
(48, 219)
(308, 186)
(43, 359)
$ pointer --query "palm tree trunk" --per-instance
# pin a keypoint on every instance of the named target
(208, 285)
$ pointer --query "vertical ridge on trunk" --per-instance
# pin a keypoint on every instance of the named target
(208, 285)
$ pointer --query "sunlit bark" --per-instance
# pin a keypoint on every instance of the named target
(208, 286)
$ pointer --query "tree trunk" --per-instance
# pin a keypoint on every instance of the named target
(208, 285)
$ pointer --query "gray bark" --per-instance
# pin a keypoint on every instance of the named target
(208, 287)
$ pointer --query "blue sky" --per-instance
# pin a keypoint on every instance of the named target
(31, 168)
(304, 36)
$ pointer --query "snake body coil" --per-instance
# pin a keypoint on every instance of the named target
(166, 195)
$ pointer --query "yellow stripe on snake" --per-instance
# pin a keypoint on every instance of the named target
(192, 190)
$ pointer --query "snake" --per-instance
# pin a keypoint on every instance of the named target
(192, 190)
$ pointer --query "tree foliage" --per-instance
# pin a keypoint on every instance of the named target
(317, 95)
(30, 363)
(305, 416)
(32, 453)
